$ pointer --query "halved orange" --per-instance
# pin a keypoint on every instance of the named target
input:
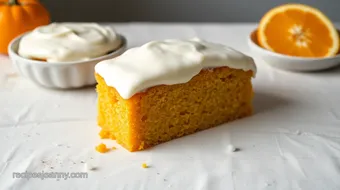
(298, 30)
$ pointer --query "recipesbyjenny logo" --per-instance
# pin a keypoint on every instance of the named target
(49, 175)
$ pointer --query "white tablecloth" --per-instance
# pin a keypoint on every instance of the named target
(291, 142)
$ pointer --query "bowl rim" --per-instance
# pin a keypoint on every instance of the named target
(257, 46)
(12, 52)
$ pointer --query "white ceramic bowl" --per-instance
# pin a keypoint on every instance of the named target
(290, 63)
(59, 75)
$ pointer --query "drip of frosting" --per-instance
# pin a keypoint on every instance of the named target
(167, 62)
(67, 42)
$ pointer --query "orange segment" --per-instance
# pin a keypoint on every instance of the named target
(298, 30)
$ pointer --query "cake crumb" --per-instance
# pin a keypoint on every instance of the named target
(112, 137)
(144, 165)
(102, 148)
(231, 148)
(113, 148)
(57, 144)
(89, 167)
(104, 134)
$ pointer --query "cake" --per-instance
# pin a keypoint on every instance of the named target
(68, 42)
(167, 89)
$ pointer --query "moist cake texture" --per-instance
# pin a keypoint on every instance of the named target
(169, 108)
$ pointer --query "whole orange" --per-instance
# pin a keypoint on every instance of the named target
(19, 16)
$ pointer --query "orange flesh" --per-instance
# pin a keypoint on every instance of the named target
(298, 30)
(284, 23)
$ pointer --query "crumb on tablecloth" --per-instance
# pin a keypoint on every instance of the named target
(144, 165)
(89, 167)
(231, 148)
(102, 148)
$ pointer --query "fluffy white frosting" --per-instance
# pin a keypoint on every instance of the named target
(167, 62)
(67, 42)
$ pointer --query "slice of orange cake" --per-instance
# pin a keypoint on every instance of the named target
(168, 89)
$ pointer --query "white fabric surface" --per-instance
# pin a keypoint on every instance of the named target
(291, 142)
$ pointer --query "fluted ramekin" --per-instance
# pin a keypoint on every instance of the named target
(59, 75)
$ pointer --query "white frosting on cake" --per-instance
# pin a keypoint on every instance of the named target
(67, 42)
(167, 62)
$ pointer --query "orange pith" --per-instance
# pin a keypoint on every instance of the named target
(298, 30)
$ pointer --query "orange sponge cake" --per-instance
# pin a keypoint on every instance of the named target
(167, 89)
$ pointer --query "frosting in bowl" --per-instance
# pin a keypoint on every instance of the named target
(167, 62)
(67, 42)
